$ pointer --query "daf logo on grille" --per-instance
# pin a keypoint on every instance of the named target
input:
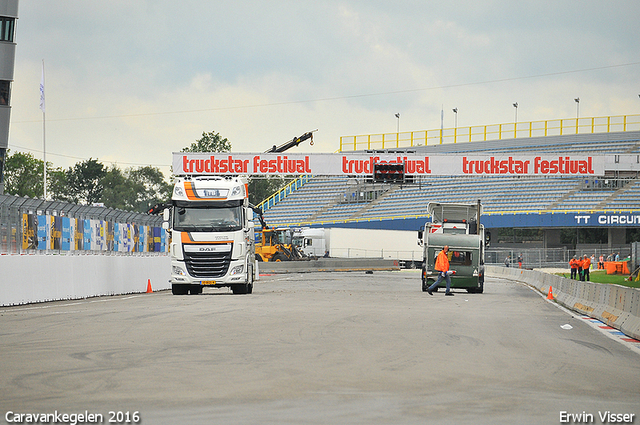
(208, 248)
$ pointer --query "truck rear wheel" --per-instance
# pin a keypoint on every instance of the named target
(179, 289)
(478, 290)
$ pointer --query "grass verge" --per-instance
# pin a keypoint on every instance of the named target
(601, 276)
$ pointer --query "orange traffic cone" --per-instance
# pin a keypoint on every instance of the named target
(149, 290)
(550, 295)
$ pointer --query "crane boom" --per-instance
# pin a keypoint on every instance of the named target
(291, 143)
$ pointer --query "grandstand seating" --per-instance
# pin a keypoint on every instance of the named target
(325, 199)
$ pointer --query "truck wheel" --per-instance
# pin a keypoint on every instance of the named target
(259, 257)
(240, 289)
(478, 290)
(279, 257)
(249, 280)
(179, 289)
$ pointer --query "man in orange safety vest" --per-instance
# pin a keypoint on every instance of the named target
(586, 264)
(573, 265)
(442, 267)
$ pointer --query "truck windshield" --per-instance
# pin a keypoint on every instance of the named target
(299, 241)
(207, 219)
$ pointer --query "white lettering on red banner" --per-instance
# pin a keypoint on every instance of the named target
(221, 163)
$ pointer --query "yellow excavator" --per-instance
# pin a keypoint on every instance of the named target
(276, 244)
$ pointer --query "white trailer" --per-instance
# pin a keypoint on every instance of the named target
(338, 242)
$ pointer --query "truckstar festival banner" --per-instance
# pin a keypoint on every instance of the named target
(220, 163)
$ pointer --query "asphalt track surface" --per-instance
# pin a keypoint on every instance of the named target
(315, 348)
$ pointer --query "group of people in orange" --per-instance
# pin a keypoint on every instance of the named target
(580, 267)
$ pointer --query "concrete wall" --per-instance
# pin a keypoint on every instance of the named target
(36, 278)
(329, 265)
(615, 305)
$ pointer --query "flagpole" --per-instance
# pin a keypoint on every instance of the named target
(44, 140)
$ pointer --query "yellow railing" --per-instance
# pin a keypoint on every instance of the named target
(558, 127)
(283, 193)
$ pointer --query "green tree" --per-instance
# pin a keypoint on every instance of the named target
(135, 189)
(150, 187)
(57, 184)
(84, 181)
(209, 142)
(262, 188)
(23, 175)
(116, 190)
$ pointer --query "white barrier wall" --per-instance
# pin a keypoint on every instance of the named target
(617, 306)
(36, 278)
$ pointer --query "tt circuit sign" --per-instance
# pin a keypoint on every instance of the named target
(562, 219)
(216, 163)
(608, 220)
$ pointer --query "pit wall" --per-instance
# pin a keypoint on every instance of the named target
(37, 278)
(615, 305)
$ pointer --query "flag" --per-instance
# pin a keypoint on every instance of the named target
(42, 89)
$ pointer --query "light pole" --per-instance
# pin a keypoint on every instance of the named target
(515, 105)
(398, 116)
(577, 99)
(455, 125)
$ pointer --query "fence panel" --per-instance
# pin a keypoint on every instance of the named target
(551, 257)
(30, 226)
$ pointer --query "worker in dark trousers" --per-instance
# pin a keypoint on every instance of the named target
(586, 264)
(573, 265)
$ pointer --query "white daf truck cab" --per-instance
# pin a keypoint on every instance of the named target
(212, 235)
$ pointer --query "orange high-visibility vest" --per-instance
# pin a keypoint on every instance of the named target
(442, 262)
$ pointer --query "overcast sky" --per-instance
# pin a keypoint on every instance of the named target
(131, 82)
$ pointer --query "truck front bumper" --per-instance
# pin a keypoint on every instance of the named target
(235, 274)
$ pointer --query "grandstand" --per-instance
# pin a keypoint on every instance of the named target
(328, 201)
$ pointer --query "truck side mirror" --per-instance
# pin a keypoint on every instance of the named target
(487, 238)
(420, 233)
(165, 215)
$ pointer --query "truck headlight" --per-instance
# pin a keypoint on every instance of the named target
(237, 270)
(237, 191)
(178, 270)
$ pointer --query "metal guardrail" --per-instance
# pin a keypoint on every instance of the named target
(29, 225)
(557, 127)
